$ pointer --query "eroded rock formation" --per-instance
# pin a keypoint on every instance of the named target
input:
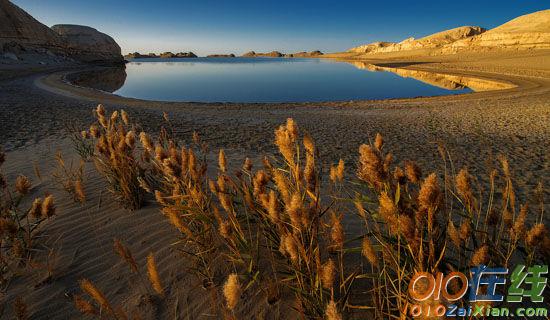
(530, 31)
(436, 40)
(19, 28)
(88, 45)
(24, 38)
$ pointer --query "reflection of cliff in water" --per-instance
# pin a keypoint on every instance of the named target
(445, 81)
(105, 79)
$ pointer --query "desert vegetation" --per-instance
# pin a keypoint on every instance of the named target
(278, 231)
(20, 219)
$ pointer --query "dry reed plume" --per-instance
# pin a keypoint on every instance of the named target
(153, 274)
(232, 291)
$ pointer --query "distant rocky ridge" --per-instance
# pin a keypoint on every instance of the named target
(137, 55)
(304, 54)
(23, 38)
(178, 55)
(436, 40)
(277, 54)
(272, 54)
(231, 55)
(168, 54)
(531, 31)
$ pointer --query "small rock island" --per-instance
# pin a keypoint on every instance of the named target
(277, 54)
(168, 54)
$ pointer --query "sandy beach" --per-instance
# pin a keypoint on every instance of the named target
(474, 127)
(35, 108)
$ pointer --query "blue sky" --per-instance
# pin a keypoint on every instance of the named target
(208, 26)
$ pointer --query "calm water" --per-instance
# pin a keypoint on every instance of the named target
(265, 80)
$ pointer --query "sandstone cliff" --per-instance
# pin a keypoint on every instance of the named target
(19, 30)
(24, 38)
(87, 44)
(530, 31)
(436, 40)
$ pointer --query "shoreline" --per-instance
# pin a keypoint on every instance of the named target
(57, 83)
(475, 126)
(447, 118)
(31, 93)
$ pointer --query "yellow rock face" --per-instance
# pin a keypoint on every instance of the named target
(531, 31)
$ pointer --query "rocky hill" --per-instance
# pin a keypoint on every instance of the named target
(87, 44)
(436, 40)
(531, 31)
(18, 29)
(23, 38)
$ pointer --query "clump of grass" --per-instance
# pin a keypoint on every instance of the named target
(70, 178)
(116, 157)
(185, 201)
(18, 225)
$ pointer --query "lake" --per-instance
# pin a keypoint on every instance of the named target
(274, 80)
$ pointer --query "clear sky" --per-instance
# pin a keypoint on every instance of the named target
(209, 26)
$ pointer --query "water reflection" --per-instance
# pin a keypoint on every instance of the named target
(272, 80)
(444, 81)
(105, 79)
